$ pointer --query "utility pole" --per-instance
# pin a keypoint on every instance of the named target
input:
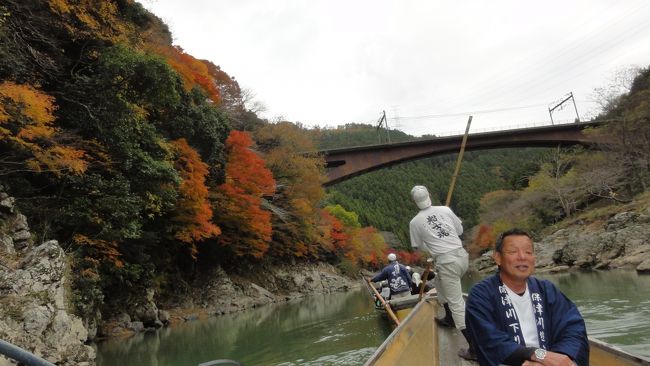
(383, 120)
(574, 106)
(559, 105)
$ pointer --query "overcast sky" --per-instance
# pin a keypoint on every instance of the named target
(428, 63)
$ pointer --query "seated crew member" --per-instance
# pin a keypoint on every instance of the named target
(398, 278)
(417, 282)
(517, 319)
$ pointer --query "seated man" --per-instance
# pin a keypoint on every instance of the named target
(417, 282)
(516, 319)
(398, 278)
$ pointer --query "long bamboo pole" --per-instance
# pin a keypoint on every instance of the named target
(390, 312)
(460, 158)
(425, 277)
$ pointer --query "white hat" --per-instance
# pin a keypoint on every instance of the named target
(421, 197)
(392, 257)
(416, 279)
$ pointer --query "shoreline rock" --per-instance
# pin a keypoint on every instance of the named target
(33, 291)
(621, 242)
(219, 293)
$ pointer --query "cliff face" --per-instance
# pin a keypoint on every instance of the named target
(622, 241)
(33, 293)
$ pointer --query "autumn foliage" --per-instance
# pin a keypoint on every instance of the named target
(246, 226)
(27, 125)
(483, 240)
(192, 71)
(193, 214)
(357, 247)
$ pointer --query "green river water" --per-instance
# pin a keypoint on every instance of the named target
(344, 329)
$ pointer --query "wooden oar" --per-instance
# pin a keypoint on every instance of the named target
(383, 302)
(460, 158)
(425, 277)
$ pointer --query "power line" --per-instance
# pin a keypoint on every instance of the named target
(572, 50)
(456, 114)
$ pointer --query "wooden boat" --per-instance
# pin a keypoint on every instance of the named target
(401, 307)
(419, 341)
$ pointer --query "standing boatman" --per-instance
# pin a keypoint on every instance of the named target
(437, 230)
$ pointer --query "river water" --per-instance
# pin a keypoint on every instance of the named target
(344, 329)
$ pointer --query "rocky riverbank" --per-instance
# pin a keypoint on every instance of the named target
(621, 241)
(219, 293)
(34, 288)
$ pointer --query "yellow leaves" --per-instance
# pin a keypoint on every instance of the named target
(93, 19)
(26, 114)
(153, 205)
(61, 158)
(33, 103)
(59, 6)
(36, 132)
(4, 116)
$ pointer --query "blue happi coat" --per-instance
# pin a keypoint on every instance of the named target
(399, 279)
(496, 334)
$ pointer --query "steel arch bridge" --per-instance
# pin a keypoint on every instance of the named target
(346, 163)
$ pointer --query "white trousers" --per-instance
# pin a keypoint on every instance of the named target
(450, 267)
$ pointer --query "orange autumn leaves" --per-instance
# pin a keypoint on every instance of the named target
(193, 213)
(239, 199)
(27, 125)
(241, 224)
(193, 71)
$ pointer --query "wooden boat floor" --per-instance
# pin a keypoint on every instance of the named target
(419, 341)
(452, 340)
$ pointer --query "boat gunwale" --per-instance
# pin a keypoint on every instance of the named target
(617, 351)
(382, 348)
(593, 342)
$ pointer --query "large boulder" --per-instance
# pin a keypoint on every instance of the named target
(644, 267)
(34, 312)
(33, 294)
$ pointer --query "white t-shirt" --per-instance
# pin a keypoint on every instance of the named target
(524, 307)
(437, 229)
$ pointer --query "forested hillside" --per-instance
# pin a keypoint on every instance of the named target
(356, 134)
(145, 163)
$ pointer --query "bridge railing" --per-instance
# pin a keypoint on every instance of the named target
(505, 128)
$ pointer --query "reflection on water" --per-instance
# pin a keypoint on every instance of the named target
(615, 305)
(336, 329)
(344, 329)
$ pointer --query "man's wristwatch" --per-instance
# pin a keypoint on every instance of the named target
(540, 354)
